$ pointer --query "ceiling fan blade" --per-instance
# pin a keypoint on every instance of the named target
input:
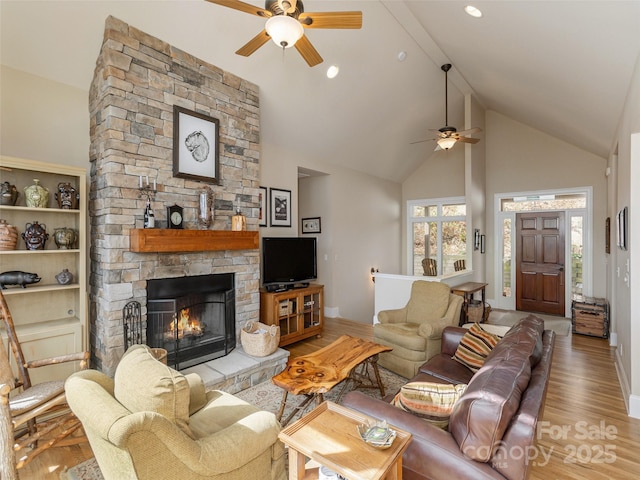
(470, 131)
(467, 140)
(331, 19)
(254, 44)
(308, 51)
(243, 7)
(422, 141)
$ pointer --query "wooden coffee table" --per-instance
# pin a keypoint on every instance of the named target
(348, 358)
(328, 435)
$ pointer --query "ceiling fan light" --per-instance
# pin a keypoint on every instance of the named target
(446, 143)
(473, 11)
(285, 31)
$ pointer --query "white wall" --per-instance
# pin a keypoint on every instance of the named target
(475, 184)
(360, 226)
(627, 308)
(43, 120)
(520, 158)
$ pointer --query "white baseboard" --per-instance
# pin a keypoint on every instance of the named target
(331, 312)
(613, 339)
(625, 387)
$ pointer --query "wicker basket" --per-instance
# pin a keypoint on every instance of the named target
(258, 339)
(475, 311)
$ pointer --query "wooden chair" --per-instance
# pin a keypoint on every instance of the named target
(22, 404)
(459, 265)
(430, 267)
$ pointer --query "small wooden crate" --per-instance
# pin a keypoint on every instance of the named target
(590, 316)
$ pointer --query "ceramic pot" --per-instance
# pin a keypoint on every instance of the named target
(65, 277)
(35, 236)
(8, 236)
(67, 196)
(8, 194)
(65, 237)
(36, 195)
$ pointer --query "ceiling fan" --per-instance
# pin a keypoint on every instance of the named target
(286, 23)
(447, 136)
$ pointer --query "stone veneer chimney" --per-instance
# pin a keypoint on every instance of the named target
(138, 79)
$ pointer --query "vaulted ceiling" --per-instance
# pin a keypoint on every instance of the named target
(563, 67)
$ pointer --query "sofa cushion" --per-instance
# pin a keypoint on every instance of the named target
(430, 401)
(143, 384)
(444, 367)
(474, 347)
(483, 414)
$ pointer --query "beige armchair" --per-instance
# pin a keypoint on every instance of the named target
(414, 332)
(152, 422)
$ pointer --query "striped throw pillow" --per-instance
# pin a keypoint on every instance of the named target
(432, 402)
(474, 347)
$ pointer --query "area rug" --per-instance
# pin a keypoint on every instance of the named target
(560, 325)
(267, 396)
(87, 470)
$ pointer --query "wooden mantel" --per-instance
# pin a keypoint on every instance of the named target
(171, 241)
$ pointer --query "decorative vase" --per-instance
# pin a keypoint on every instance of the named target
(65, 277)
(36, 195)
(67, 196)
(65, 237)
(35, 236)
(8, 236)
(8, 194)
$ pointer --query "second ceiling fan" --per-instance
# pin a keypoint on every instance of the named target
(448, 136)
(286, 23)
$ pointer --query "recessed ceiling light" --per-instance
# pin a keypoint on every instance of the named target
(402, 56)
(473, 11)
(332, 71)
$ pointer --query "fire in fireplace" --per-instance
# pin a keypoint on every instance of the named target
(193, 318)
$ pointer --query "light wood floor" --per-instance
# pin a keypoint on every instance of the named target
(587, 433)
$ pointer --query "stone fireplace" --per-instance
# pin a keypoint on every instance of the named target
(138, 80)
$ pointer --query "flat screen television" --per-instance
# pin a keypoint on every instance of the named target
(287, 261)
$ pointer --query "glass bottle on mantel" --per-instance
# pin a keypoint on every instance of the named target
(149, 217)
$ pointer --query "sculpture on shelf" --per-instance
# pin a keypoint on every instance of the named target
(65, 237)
(67, 196)
(8, 194)
(36, 195)
(35, 236)
(65, 277)
(16, 277)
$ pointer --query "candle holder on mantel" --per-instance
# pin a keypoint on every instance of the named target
(147, 189)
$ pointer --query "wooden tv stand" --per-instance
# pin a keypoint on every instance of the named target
(299, 312)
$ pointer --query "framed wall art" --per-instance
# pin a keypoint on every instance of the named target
(311, 225)
(195, 145)
(262, 198)
(280, 207)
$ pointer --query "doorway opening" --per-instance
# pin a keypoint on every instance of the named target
(568, 272)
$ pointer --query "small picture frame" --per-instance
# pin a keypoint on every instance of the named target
(622, 228)
(195, 145)
(482, 243)
(280, 207)
(311, 225)
(262, 214)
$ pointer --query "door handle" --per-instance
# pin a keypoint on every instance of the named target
(561, 268)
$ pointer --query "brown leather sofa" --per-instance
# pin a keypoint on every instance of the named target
(492, 429)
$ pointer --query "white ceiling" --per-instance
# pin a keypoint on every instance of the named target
(563, 67)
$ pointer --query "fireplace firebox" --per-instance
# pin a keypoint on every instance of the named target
(193, 318)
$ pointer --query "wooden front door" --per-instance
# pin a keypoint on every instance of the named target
(540, 284)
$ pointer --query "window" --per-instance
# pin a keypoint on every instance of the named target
(438, 230)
